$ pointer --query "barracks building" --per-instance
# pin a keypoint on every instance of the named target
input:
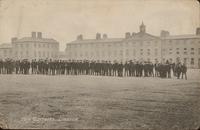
(34, 47)
(140, 46)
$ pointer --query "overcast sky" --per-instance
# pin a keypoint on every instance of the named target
(63, 20)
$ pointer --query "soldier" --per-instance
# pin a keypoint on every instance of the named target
(145, 66)
(178, 69)
(127, 69)
(1, 66)
(120, 69)
(140, 69)
(115, 66)
(168, 69)
(184, 70)
(109, 68)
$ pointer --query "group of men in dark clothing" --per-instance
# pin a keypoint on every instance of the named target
(98, 68)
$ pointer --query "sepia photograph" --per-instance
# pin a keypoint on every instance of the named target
(100, 64)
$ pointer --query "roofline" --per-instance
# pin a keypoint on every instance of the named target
(35, 39)
(92, 40)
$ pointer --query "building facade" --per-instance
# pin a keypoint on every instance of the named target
(34, 47)
(139, 46)
(184, 48)
(5, 51)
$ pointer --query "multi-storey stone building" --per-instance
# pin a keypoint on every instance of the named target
(139, 46)
(5, 51)
(184, 48)
(135, 46)
(34, 47)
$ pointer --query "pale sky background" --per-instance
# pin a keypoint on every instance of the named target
(63, 20)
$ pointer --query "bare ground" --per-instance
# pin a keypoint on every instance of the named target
(36, 101)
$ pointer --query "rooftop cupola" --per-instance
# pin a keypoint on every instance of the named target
(142, 28)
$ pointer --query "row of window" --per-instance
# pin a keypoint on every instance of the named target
(181, 41)
(184, 52)
(39, 45)
(115, 53)
(141, 43)
(36, 54)
(185, 49)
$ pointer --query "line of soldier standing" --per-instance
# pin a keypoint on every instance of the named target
(99, 68)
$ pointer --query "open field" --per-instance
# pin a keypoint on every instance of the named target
(37, 101)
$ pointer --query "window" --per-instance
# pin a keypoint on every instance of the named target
(26, 53)
(16, 54)
(185, 41)
(141, 43)
(39, 45)
(156, 52)
(185, 60)
(199, 51)
(27, 45)
(192, 61)
(121, 53)
(52, 55)
(148, 43)
(170, 53)
(177, 42)
(115, 53)
(39, 54)
(86, 53)
(21, 45)
(134, 53)
(177, 48)
(81, 54)
(109, 53)
(192, 49)
(148, 51)
(177, 52)
(34, 44)
(185, 53)
(127, 52)
(75, 54)
(103, 54)
(141, 51)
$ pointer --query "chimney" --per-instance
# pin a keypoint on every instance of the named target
(133, 34)
(33, 34)
(164, 33)
(39, 35)
(98, 36)
(13, 39)
(198, 31)
(127, 35)
(80, 37)
(105, 36)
